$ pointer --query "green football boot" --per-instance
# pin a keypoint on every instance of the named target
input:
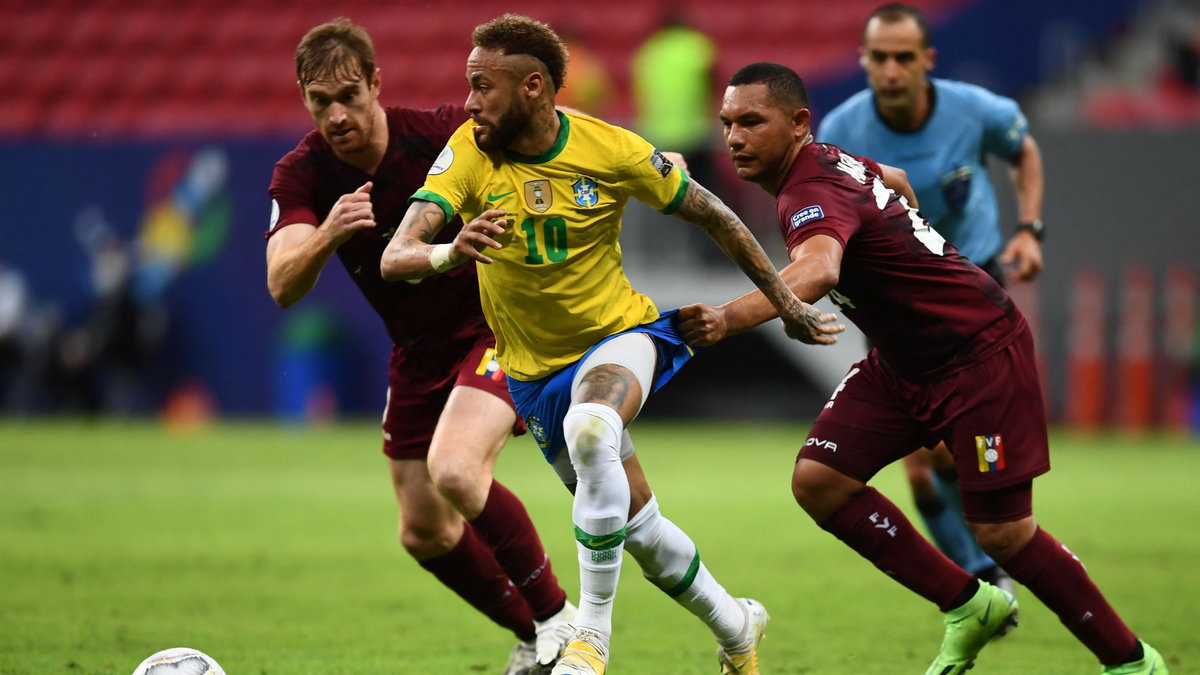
(1152, 663)
(968, 629)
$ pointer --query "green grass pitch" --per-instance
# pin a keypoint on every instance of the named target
(274, 550)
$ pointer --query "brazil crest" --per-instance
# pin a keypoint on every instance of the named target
(585, 192)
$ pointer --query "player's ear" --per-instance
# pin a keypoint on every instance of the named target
(801, 119)
(534, 84)
(864, 58)
(376, 82)
(930, 58)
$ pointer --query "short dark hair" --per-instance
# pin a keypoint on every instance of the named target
(334, 50)
(783, 84)
(895, 12)
(513, 34)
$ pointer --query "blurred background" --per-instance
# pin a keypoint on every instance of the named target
(137, 140)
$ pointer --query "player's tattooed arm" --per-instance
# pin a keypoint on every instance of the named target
(411, 255)
(407, 255)
(705, 210)
(428, 221)
(801, 320)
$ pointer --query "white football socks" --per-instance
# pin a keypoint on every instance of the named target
(593, 432)
(670, 560)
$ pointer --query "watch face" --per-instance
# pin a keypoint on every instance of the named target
(1035, 228)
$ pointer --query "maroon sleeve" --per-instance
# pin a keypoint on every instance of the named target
(291, 194)
(814, 207)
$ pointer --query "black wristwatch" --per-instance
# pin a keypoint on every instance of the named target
(1036, 228)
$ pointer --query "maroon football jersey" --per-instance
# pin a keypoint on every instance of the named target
(923, 305)
(309, 180)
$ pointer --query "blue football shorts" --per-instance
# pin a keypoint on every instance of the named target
(543, 403)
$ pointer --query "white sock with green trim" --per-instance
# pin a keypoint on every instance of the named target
(600, 510)
(670, 560)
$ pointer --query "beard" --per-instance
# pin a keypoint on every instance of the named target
(506, 129)
(359, 140)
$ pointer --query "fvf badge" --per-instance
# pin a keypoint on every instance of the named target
(585, 192)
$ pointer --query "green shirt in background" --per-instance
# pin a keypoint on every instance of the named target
(672, 83)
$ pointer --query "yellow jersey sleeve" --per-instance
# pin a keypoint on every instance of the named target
(649, 177)
(453, 179)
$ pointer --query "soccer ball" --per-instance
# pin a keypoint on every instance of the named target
(179, 661)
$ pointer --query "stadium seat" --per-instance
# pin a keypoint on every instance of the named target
(195, 67)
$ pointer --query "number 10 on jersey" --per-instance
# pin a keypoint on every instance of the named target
(554, 240)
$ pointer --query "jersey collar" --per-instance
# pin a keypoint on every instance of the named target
(564, 129)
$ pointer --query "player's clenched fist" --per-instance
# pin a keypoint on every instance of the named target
(351, 213)
(701, 325)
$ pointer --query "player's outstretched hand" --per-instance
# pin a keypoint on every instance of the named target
(812, 327)
(479, 234)
(351, 213)
(701, 325)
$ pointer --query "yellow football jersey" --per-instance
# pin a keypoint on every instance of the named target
(557, 286)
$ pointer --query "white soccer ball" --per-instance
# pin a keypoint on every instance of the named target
(179, 661)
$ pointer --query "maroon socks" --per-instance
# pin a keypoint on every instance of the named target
(1052, 573)
(505, 526)
(471, 571)
(877, 530)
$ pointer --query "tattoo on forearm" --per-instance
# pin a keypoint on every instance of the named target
(606, 383)
(717, 220)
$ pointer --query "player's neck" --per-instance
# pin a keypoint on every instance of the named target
(540, 134)
(775, 183)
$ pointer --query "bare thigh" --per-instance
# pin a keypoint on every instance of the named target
(472, 429)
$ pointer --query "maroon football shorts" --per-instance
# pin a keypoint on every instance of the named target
(990, 414)
(419, 386)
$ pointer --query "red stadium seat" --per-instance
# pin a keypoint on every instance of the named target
(215, 67)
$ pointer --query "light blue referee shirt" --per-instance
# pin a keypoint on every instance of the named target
(944, 159)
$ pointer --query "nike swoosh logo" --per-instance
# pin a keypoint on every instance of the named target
(983, 620)
(492, 197)
(606, 542)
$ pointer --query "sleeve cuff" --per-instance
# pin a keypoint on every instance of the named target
(679, 194)
(426, 195)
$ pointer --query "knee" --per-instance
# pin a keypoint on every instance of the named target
(423, 540)
(816, 491)
(593, 434)
(1002, 541)
(456, 480)
(806, 490)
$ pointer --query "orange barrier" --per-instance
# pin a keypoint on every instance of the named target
(1086, 371)
(1135, 404)
(1179, 326)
